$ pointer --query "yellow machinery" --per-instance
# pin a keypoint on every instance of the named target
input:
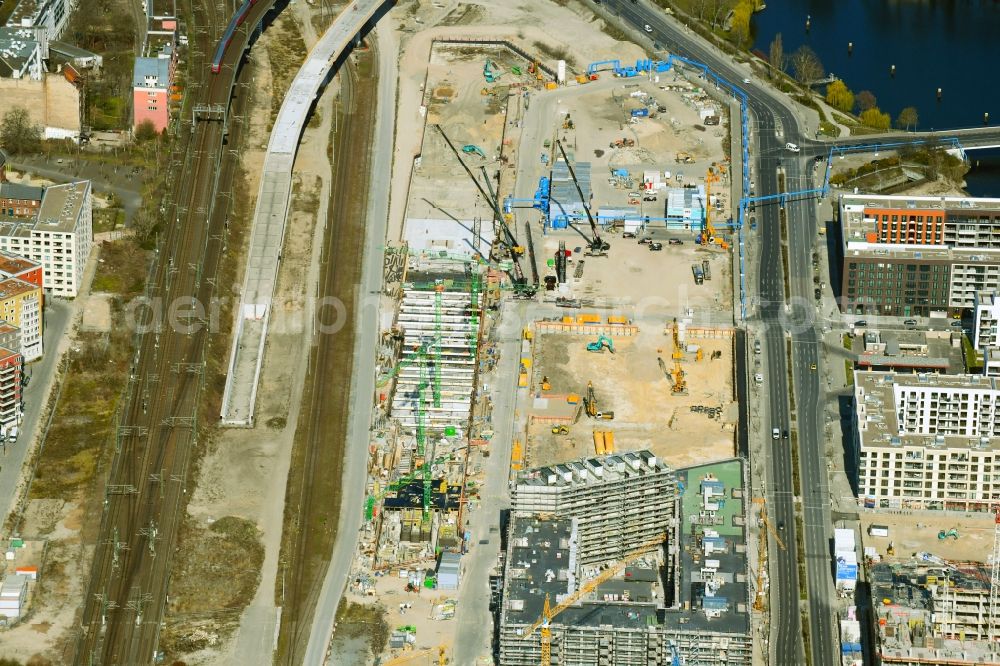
(546, 386)
(708, 236)
(590, 402)
(560, 430)
(410, 656)
(758, 602)
(680, 386)
(549, 612)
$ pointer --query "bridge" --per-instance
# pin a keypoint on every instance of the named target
(271, 213)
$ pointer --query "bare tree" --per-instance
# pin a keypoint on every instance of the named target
(865, 100)
(17, 133)
(908, 118)
(777, 54)
(807, 65)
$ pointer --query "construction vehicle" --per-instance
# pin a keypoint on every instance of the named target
(758, 602)
(708, 234)
(679, 386)
(560, 430)
(549, 612)
(599, 345)
(590, 401)
(953, 533)
(407, 657)
(597, 245)
(623, 142)
(890, 550)
(491, 72)
(515, 70)
(522, 288)
(536, 69)
(546, 386)
(684, 158)
(470, 148)
(568, 123)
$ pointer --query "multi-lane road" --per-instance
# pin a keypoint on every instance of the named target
(158, 417)
(775, 125)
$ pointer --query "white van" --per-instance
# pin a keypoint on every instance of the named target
(791, 147)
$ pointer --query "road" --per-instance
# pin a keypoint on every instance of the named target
(157, 419)
(42, 373)
(363, 375)
(776, 124)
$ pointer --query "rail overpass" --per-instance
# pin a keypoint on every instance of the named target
(271, 213)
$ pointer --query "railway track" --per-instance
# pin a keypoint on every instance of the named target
(314, 496)
(157, 424)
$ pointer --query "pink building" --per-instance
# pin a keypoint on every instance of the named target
(151, 91)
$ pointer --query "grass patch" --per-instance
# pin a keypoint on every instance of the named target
(849, 371)
(356, 620)
(108, 219)
(848, 340)
(285, 53)
(551, 51)
(614, 32)
(973, 359)
(122, 269)
(826, 128)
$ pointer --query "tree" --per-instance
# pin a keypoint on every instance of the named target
(908, 118)
(17, 133)
(839, 96)
(740, 25)
(807, 65)
(145, 131)
(875, 119)
(865, 100)
(777, 54)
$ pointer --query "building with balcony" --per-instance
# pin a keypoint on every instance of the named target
(59, 237)
(11, 383)
(927, 441)
(909, 256)
(21, 305)
(151, 81)
(685, 600)
(48, 16)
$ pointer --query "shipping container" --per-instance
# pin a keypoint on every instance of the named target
(609, 442)
(599, 442)
(878, 530)
(588, 319)
(617, 319)
(640, 113)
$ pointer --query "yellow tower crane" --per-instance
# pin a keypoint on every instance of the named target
(410, 656)
(549, 612)
(680, 385)
(758, 602)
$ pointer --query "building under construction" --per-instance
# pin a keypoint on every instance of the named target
(672, 592)
(932, 611)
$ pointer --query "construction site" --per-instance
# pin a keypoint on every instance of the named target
(545, 211)
(596, 385)
(620, 559)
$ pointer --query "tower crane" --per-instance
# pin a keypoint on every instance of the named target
(680, 385)
(597, 244)
(549, 612)
(408, 657)
(758, 602)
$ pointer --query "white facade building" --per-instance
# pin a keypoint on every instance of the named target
(60, 237)
(927, 441)
(986, 329)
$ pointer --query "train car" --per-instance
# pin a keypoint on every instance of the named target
(236, 21)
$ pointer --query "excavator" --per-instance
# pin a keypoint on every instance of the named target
(599, 345)
(473, 149)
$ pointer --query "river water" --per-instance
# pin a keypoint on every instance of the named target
(945, 44)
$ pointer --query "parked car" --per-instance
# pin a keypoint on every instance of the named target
(956, 324)
(910, 322)
(655, 247)
(775, 433)
(675, 241)
(861, 323)
(644, 240)
(649, 197)
(647, 28)
(628, 234)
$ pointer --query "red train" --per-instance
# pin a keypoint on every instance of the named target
(236, 21)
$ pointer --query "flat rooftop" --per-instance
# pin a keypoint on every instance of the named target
(61, 207)
(920, 202)
(12, 287)
(594, 471)
(712, 513)
(910, 349)
(876, 389)
(12, 264)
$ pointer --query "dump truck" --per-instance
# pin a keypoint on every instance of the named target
(699, 275)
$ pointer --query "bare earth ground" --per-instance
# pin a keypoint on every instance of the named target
(912, 532)
(631, 384)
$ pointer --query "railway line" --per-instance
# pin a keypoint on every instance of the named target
(157, 421)
(322, 434)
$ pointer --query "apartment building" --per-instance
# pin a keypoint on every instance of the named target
(21, 305)
(907, 256)
(49, 16)
(151, 80)
(933, 612)
(683, 601)
(19, 201)
(618, 501)
(927, 441)
(59, 237)
(11, 382)
(986, 318)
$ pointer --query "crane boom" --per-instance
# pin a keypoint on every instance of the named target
(596, 243)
